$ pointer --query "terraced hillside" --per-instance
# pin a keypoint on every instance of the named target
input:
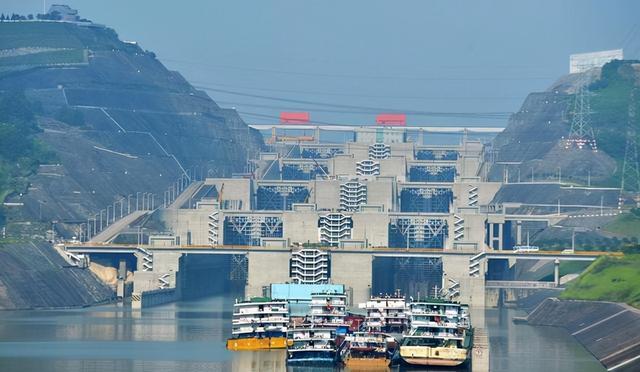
(116, 119)
(531, 142)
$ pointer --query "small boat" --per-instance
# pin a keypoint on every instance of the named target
(309, 345)
(440, 335)
(259, 323)
(369, 351)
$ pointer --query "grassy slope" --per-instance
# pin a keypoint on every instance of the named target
(608, 279)
(625, 224)
(32, 34)
(55, 35)
(55, 57)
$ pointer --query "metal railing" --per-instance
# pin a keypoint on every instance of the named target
(140, 201)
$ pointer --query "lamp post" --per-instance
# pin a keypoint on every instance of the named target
(559, 175)
(531, 174)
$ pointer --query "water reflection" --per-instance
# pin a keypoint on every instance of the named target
(530, 349)
(190, 336)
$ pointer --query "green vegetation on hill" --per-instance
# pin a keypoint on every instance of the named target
(55, 35)
(592, 241)
(20, 151)
(627, 224)
(610, 106)
(608, 279)
(55, 57)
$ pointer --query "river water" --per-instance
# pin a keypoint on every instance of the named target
(190, 337)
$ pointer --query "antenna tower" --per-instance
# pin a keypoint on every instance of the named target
(581, 133)
(630, 169)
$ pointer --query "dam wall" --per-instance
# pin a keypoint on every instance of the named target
(610, 331)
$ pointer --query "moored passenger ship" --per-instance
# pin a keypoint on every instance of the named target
(309, 345)
(328, 309)
(440, 334)
(259, 323)
(321, 340)
(385, 313)
(369, 350)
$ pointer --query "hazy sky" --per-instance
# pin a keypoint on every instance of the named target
(352, 55)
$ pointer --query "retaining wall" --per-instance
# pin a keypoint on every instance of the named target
(610, 331)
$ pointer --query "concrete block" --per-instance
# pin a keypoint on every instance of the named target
(265, 268)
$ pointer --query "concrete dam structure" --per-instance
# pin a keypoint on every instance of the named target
(376, 214)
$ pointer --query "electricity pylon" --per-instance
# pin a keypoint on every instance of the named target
(581, 133)
(630, 170)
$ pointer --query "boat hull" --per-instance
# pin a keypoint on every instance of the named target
(428, 356)
(312, 358)
(433, 362)
(238, 344)
(368, 364)
(318, 362)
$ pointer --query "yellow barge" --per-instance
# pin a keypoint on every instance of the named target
(239, 344)
(258, 324)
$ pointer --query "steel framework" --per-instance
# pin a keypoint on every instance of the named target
(630, 170)
(426, 199)
(414, 276)
(581, 133)
(320, 152)
(280, 197)
(436, 155)
(302, 171)
(418, 232)
(239, 267)
(249, 229)
(432, 173)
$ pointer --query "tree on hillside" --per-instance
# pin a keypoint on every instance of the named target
(70, 116)
(20, 152)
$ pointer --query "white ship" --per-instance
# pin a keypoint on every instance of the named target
(259, 323)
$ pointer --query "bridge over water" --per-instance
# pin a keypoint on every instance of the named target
(157, 265)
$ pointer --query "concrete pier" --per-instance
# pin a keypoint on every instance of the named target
(355, 271)
(265, 268)
(456, 267)
(480, 353)
(153, 298)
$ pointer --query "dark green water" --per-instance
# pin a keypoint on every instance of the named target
(190, 337)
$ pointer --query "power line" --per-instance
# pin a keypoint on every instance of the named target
(364, 109)
(277, 118)
(337, 94)
(356, 76)
(337, 111)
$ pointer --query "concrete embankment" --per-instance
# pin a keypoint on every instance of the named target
(34, 275)
(610, 331)
(154, 298)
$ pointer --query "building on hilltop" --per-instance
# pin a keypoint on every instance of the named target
(582, 62)
(65, 12)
